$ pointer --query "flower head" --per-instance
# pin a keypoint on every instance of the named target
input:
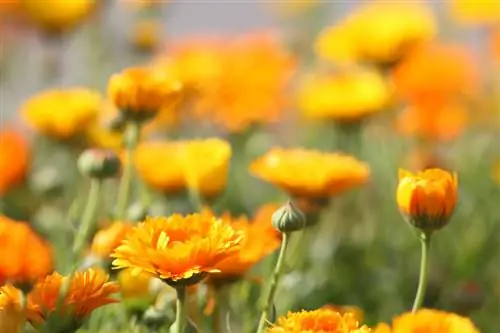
(344, 97)
(323, 320)
(475, 12)
(87, 290)
(62, 113)
(58, 16)
(428, 321)
(201, 165)
(140, 92)
(310, 173)
(11, 316)
(257, 243)
(107, 240)
(13, 147)
(177, 249)
(427, 198)
(25, 256)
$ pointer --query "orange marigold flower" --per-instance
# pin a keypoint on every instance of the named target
(62, 113)
(58, 16)
(257, 243)
(25, 256)
(201, 165)
(495, 45)
(318, 321)
(433, 121)
(378, 32)
(140, 92)
(348, 96)
(87, 290)
(357, 313)
(13, 146)
(106, 240)
(427, 198)
(178, 249)
(475, 12)
(11, 316)
(310, 173)
(428, 321)
(434, 73)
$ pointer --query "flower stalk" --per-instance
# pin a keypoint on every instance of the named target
(88, 216)
(131, 139)
(278, 271)
(425, 239)
(181, 310)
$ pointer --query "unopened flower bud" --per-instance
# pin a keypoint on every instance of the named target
(289, 218)
(97, 163)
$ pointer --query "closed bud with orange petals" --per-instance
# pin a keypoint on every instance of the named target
(427, 198)
(324, 320)
(140, 92)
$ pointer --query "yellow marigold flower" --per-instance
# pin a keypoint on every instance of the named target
(62, 113)
(140, 92)
(136, 285)
(25, 256)
(344, 97)
(257, 243)
(379, 32)
(58, 16)
(146, 34)
(11, 316)
(428, 321)
(475, 12)
(13, 146)
(106, 240)
(178, 249)
(310, 173)
(318, 321)
(172, 166)
(87, 290)
(427, 198)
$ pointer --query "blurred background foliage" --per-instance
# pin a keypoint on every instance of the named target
(396, 84)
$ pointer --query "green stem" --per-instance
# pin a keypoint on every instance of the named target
(131, 139)
(181, 310)
(425, 238)
(88, 217)
(278, 270)
(220, 309)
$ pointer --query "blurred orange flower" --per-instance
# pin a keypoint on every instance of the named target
(263, 217)
(433, 122)
(140, 92)
(62, 113)
(106, 240)
(495, 45)
(318, 321)
(201, 165)
(310, 173)
(13, 147)
(11, 316)
(134, 285)
(427, 198)
(258, 242)
(475, 12)
(25, 256)
(378, 32)
(87, 291)
(348, 96)
(178, 249)
(434, 73)
(58, 16)
(428, 321)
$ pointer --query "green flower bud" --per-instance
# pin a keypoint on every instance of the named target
(289, 218)
(100, 164)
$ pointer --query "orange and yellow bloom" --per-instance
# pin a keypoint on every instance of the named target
(427, 198)
(13, 147)
(323, 320)
(200, 165)
(343, 97)
(87, 290)
(178, 249)
(106, 240)
(62, 113)
(428, 321)
(140, 92)
(310, 173)
(25, 256)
